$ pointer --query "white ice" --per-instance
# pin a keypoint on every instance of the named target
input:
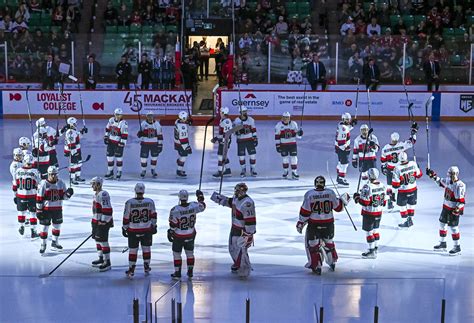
(407, 280)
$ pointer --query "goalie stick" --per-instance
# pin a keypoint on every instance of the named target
(226, 148)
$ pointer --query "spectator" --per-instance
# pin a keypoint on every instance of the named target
(49, 73)
(39, 40)
(281, 27)
(360, 27)
(23, 12)
(405, 7)
(374, 29)
(355, 67)
(432, 71)
(349, 39)
(358, 13)
(386, 72)
(123, 70)
(346, 26)
(148, 17)
(123, 17)
(19, 68)
(355, 59)
(26, 44)
(145, 69)
(437, 28)
(383, 17)
(18, 26)
(69, 25)
(204, 59)
(35, 6)
(189, 75)
(64, 54)
(408, 62)
(305, 25)
(91, 72)
(316, 73)
(458, 17)
(349, 52)
(136, 19)
(110, 15)
(371, 75)
(372, 13)
(7, 22)
(58, 16)
(167, 72)
(422, 30)
(446, 17)
(245, 42)
(398, 27)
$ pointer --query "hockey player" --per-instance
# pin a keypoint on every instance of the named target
(317, 211)
(116, 134)
(139, 226)
(404, 179)
(181, 142)
(247, 141)
(453, 208)
(286, 132)
(151, 143)
(52, 139)
(41, 147)
(365, 157)
(24, 144)
(389, 158)
(225, 124)
(49, 206)
(102, 221)
(72, 150)
(372, 198)
(16, 163)
(182, 230)
(25, 184)
(343, 146)
(243, 227)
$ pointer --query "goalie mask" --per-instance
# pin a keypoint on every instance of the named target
(240, 190)
(320, 182)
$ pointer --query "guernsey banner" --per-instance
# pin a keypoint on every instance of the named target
(95, 102)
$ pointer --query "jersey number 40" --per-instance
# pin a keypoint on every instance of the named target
(322, 207)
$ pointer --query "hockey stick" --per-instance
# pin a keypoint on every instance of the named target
(185, 92)
(339, 195)
(204, 147)
(80, 102)
(83, 162)
(226, 149)
(70, 254)
(124, 250)
(410, 116)
(357, 97)
(135, 102)
(368, 106)
(29, 110)
(302, 108)
(363, 157)
(427, 106)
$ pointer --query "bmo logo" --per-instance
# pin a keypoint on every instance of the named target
(15, 97)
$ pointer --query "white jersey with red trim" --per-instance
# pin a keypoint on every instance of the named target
(117, 131)
(182, 219)
(41, 150)
(72, 142)
(152, 133)
(371, 151)
(343, 136)
(14, 166)
(405, 175)
(318, 206)
(102, 208)
(285, 134)
(373, 198)
(51, 138)
(181, 134)
(389, 154)
(50, 196)
(243, 213)
(26, 182)
(224, 125)
(139, 215)
(454, 193)
(248, 132)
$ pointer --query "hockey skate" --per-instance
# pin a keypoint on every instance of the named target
(408, 223)
(285, 173)
(34, 234)
(73, 181)
(80, 179)
(376, 249)
(176, 275)
(43, 248)
(333, 267)
(234, 269)
(119, 174)
(294, 175)
(190, 273)
(455, 251)
(153, 173)
(130, 272)
(56, 246)
(109, 175)
(146, 268)
(390, 204)
(342, 181)
(217, 175)
(227, 172)
(142, 174)
(253, 173)
(105, 266)
(21, 230)
(98, 262)
(181, 174)
(441, 246)
(370, 254)
(317, 271)
(243, 173)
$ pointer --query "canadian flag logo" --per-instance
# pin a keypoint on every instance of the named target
(250, 96)
(98, 106)
(15, 97)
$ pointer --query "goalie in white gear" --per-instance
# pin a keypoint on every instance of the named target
(453, 208)
(151, 143)
(364, 155)
(372, 198)
(225, 124)
(247, 141)
(243, 227)
(116, 135)
(317, 211)
(343, 146)
(286, 133)
(72, 150)
(181, 142)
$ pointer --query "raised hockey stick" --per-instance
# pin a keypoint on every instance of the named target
(226, 149)
(88, 157)
(339, 195)
(70, 254)
(427, 106)
(302, 108)
(357, 97)
(185, 92)
(410, 116)
(204, 147)
(135, 102)
(29, 110)
(363, 157)
(368, 106)
(80, 102)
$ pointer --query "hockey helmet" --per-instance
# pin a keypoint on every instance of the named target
(286, 114)
(364, 129)
(373, 174)
(240, 190)
(41, 122)
(243, 110)
(42, 131)
(346, 117)
(395, 137)
(320, 182)
(453, 171)
(140, 188)
(183, 116)
(17, 154)
(225, 111)
(149, 116)
(96, 182)
(149, 113)
(403, 157)
(183, 195)
(24, 142)
(53, 170)
(28, 159)
(71, 121)
(118, 112)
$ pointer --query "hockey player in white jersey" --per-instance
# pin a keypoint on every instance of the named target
(151, 143)
(343, 146)
(404, 179)
(52, 138)
(225, 124)
(243, 227)
(365, 157)
(24, 143)
(139, 226)
(102, 221)
(317, 211)
(453, 208)
(41, 147)
(181, 142)
(72, 150)
(49, 206)
(25, 184)
(286, 133)
(247, 141)
(373, 199)
(182, 232)
(116, 135)
(389, 158)
(16, 163)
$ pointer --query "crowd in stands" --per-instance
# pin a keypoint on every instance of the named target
(379, 30)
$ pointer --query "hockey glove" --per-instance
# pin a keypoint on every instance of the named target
(69, 192)
(189, 150)
(278, 148)
(456, 212)
(84, 130)
(300, 133)
(217, 198)
(255, 142)
(15, 200)
(354, 163)
(106, 140)
(67, 154)
(154, 229)
(39, 214)
(64, 129)
(384, 169)
(345, 198)
(101, 231)
(125, 233)
(300, 226)
(431, 173)
(170, 235)
(139, 134)
(353, 122)
(160, 149)
(356, 197)
(248, 239)
(372, 145)
(214, 140)
(199, 196)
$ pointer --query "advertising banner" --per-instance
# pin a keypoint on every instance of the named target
(459, 105)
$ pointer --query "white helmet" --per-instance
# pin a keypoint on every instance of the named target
(243, 109)
(403, 157)
(28, 159)
(97, 180)
(364, 126)
(118, 111)
(71, 121)
(52, 170)
(346, 116)
(41, 122)
(24, 141)
(373, 174)
(183, 195)
(183, 115)
(149, 113)
(42, 130)
(225, 110)
(17, 153)
(286, 114)
(140, 188)
(453, 170)
(395, 136)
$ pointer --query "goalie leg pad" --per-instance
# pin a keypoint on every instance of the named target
(331, 253)
(315, 253)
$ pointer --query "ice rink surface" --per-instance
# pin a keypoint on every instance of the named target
(407, 280)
